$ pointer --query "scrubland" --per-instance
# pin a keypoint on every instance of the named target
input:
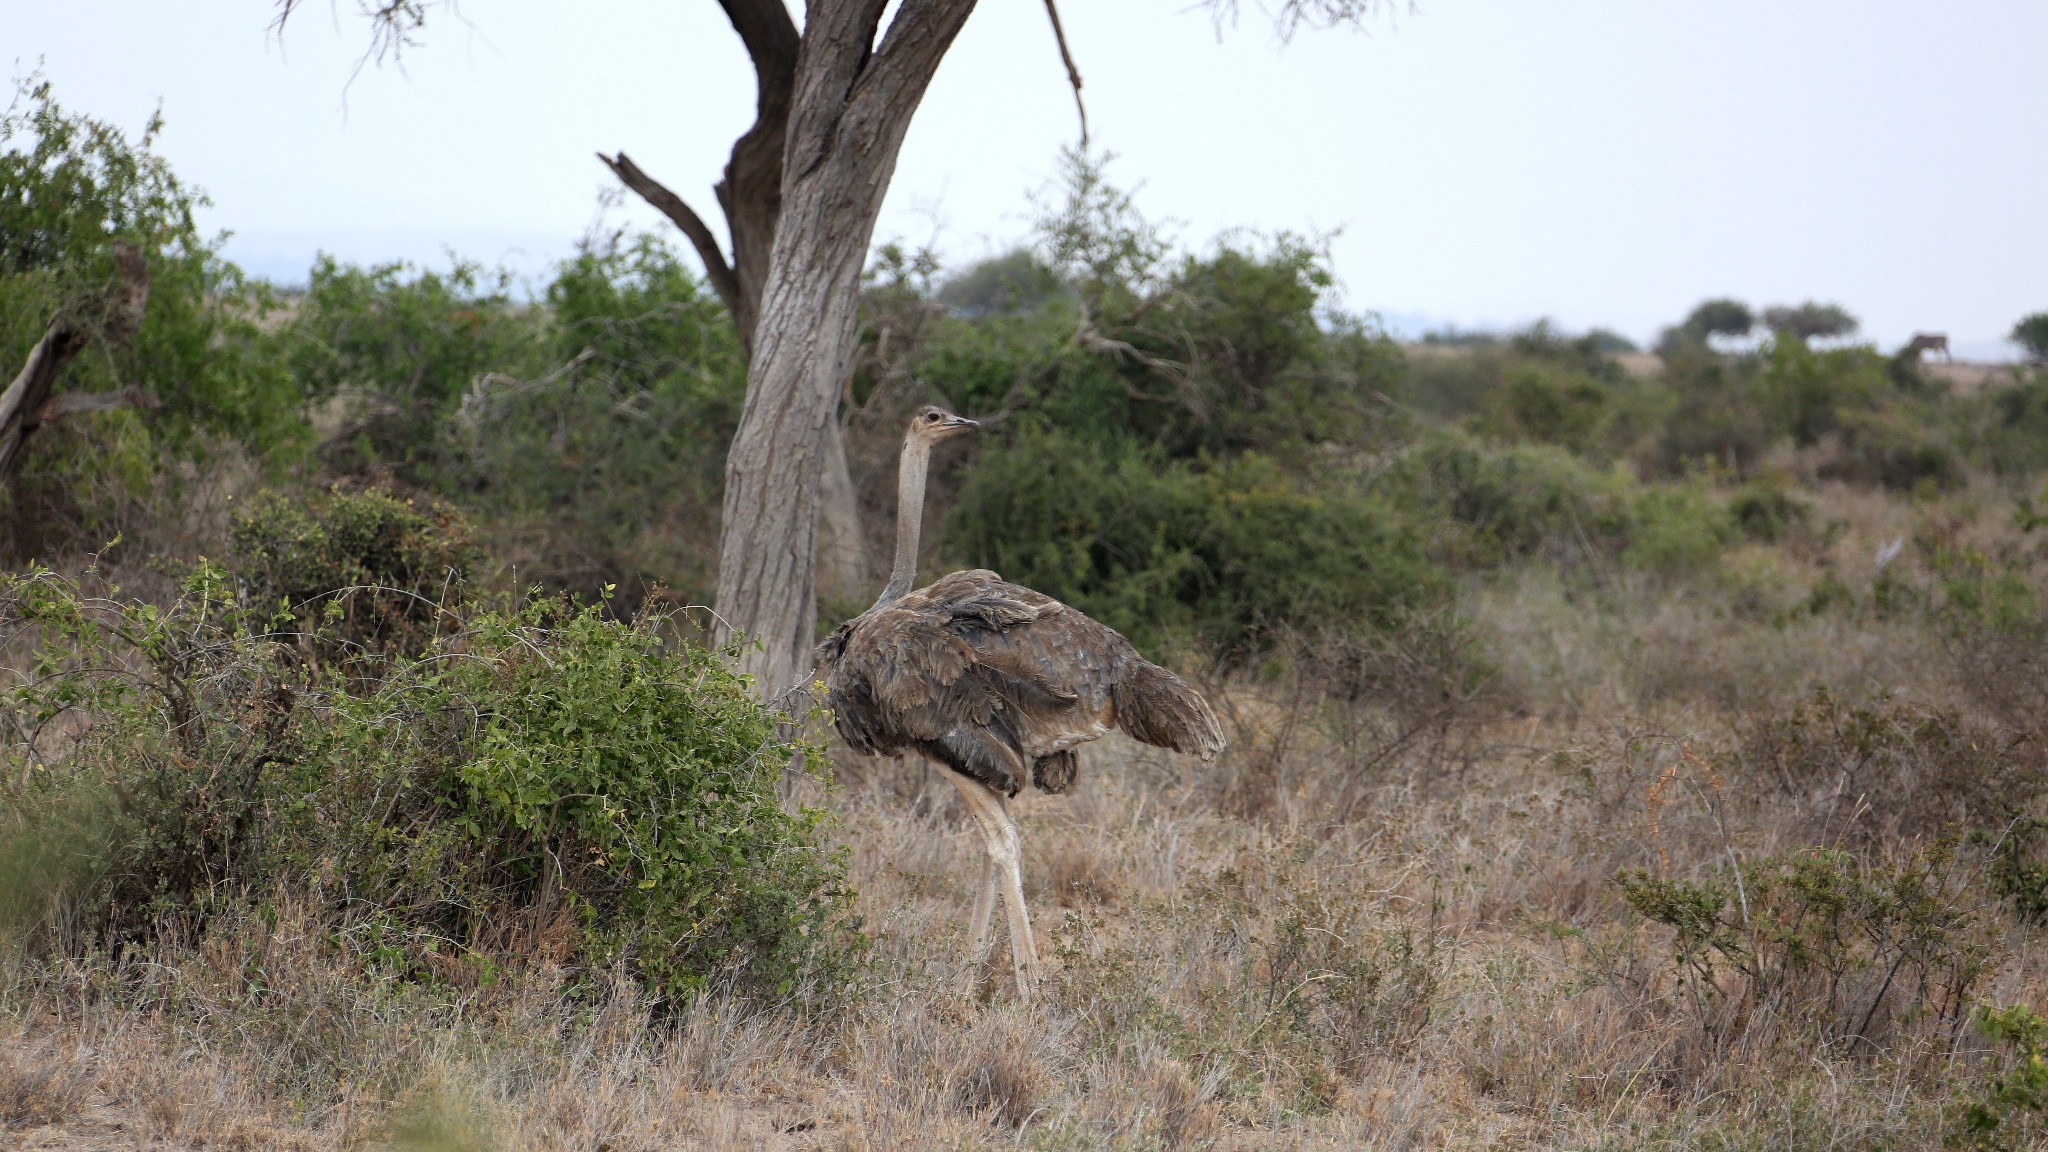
(1496, 910)
(1619, 756)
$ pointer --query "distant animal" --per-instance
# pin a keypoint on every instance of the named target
(992, 681)
(1923, 343)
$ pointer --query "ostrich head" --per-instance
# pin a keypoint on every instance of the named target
(932, 424)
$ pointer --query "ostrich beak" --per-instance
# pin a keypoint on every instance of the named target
(962, 424)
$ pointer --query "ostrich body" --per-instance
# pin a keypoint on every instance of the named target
(991, 680)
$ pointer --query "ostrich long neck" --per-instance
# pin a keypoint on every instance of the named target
(910, 473)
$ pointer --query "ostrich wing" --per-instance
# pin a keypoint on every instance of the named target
(1032, 636)
(988, 677)
(907, 676)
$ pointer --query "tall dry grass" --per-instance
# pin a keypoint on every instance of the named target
(1386, 919)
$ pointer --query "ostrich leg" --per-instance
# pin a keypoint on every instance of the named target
(984, 907)
(999, 836)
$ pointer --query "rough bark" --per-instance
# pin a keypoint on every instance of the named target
(751, 197)
(842, 552)
(852, 104)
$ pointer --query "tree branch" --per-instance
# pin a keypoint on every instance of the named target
(903, 66)
(671, 205)
(392, 23)
(73, 403)
(22, 404)
(771, 39)
(1073, 73)
(1290, 15)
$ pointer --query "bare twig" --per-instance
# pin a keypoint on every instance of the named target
(1073, 74)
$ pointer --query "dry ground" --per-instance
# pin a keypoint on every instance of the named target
(1346, 934)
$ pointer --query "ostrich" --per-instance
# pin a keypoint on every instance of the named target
(987, 678)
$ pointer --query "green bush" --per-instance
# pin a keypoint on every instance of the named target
(1712, 420)
(398, 348)
(1224, 553)
(366, 569)
(71, 187)
(1118, 339)
(607, 467)
(585, 434)
(2009, 432)
(1765, 512)
(1850, 948)
(2031, 334)
(2012, 1107)
(1544, 406)
(1494, 506)
(1806, 394)
(545, 779)
(1895, 449)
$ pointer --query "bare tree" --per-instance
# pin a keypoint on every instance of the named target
(804, 187)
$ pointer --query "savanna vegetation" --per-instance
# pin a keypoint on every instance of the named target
(1626, 751)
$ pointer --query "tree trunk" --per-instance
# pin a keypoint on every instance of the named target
(751, 197)
(852, 105)
(842, 552)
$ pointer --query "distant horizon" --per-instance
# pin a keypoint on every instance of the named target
(529, 259)
(1479, 163)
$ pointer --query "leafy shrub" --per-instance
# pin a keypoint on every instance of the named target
(1911, 771)
(1806, 393)
(1820, 939)
(541, 781)
(606, 468)
(2031, 334)
(387, 566)
(1511, 503)
(2013, 1106)
(585, 434)
(1520, 502)
(2010, 432)
(71, 188)
(1713, 419)
(1121, 340)
(1676, 530)
(1895, 450)
(1766, 512)
(399, 347)
(1013, 282)
(1227, 554)
(1545, 407)
(2018, 871)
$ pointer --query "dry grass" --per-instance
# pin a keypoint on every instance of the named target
(1338, 936)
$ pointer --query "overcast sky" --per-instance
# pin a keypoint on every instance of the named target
(1483, 162)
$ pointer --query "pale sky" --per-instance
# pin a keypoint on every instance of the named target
(1484, 162)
